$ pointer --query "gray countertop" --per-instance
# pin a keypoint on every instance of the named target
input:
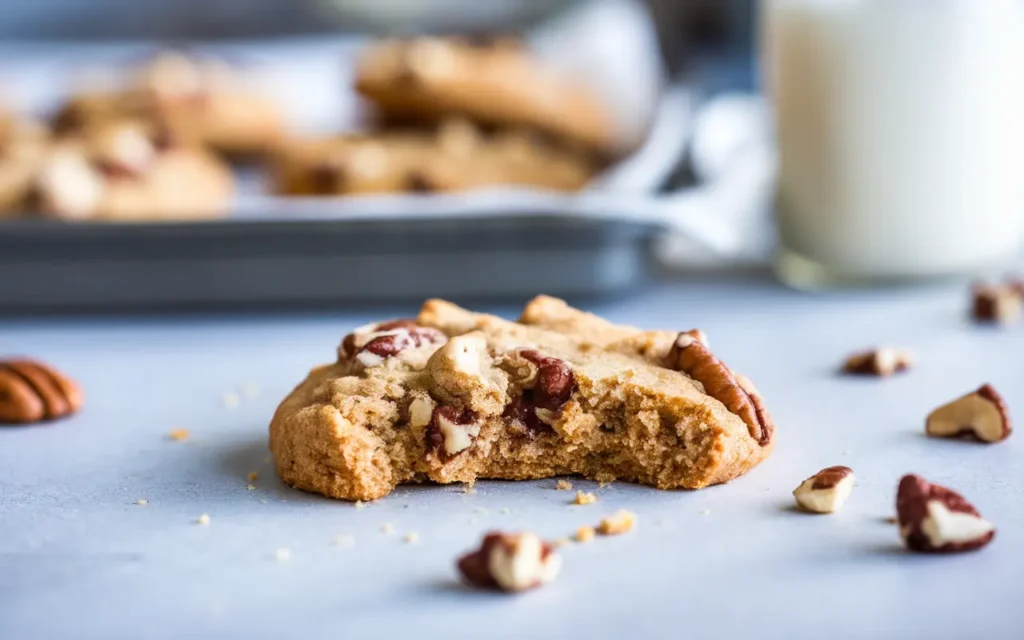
(79, 559)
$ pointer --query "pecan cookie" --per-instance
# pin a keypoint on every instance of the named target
(126, 170)
(455, 157)
(453, 396)
(23, 144)
(497, 83)
(200, 100)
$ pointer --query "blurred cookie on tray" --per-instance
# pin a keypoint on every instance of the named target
(130, 170)
(496, 82)
(455, 156)
(201, 100)
(23, 144)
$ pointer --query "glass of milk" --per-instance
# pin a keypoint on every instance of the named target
(901, 137)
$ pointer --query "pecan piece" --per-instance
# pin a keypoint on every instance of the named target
(373, 344)
(510, 562)
(692, 357)
(999, 304)
(934, 519)
(981, 415)
(825, 491)
(359, 337)
(451, 431)
(32, 392)
(881, 362)
(547, 392)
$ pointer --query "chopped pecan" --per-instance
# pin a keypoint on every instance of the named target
(692, 357)
(355, 340)
(32, 392)
(451, 431)
(510, 562)
(934, 519)
(547, 392)
(981, 415)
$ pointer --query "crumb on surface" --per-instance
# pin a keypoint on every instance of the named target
(203, 520)
(282, 554)
(563, 485)
(178, 434)
(250, 487)
(481, 510)
(560, 542)
(359, 504)
(253, 476)
(505, 511)
(412, 537)
(142, 502)
(251, 389)
(387, 528)
(468, 488)
(621, 522)
(584, 534)
(263, 501)
(584, 498)
(230, 400)
(344, 540)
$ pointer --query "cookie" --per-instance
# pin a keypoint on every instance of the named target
(23, 144)
(454, 396)
(126, 170)
(201, 101)
(496, 83)
(456, 157)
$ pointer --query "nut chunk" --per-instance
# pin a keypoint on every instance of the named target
(825, 491)
(881, 362)
(1000, 304)
(934, 519)
(511, 562)
(981, 415)
(33, 392)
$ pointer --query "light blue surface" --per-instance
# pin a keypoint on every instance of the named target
(78, 559)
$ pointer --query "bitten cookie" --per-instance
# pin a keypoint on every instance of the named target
(23, 145)
(455, 157)
(497, 83)
(453, 396)
(200, 100)
(130, 171)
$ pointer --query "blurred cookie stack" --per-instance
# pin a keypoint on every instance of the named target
(454, 114)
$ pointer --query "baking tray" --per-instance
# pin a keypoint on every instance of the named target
(54, 267)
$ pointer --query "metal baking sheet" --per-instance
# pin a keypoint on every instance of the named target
(55, 267)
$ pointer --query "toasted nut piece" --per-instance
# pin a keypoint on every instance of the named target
(584, 498)
(692, 357)
(32, 391)
(934, 519)
(825, 491)
(981, 415)
(511, 562)
(1000, 304)
(421, 410)
(451, 431)
(355, 341)
(621, 522)
(882, 362)
(585, 534)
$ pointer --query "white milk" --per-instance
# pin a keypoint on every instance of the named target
(901, 135)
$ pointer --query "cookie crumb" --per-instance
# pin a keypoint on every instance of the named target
(344, 540)
(584, 534)
(412, 537)
(253, 476)
(481, 510)
(563, 485)
(142, 502)
(387, 528)
(263, 501)
(250, 487)
(359, 504)
(203, 520)
(614, 525)
(282, 554)
(179, 434)
(560, 542)
(584, 498)
(230, 400)
(468, 488)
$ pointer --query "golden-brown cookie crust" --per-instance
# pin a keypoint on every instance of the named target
(454, 396)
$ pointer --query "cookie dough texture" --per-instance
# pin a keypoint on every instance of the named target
(453, 396)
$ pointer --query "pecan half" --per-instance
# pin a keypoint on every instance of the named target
(510, 562)
(981, 415)
(31, 391)
(934, 519)
(692, 357)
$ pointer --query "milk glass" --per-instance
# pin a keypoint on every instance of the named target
(900, 130)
